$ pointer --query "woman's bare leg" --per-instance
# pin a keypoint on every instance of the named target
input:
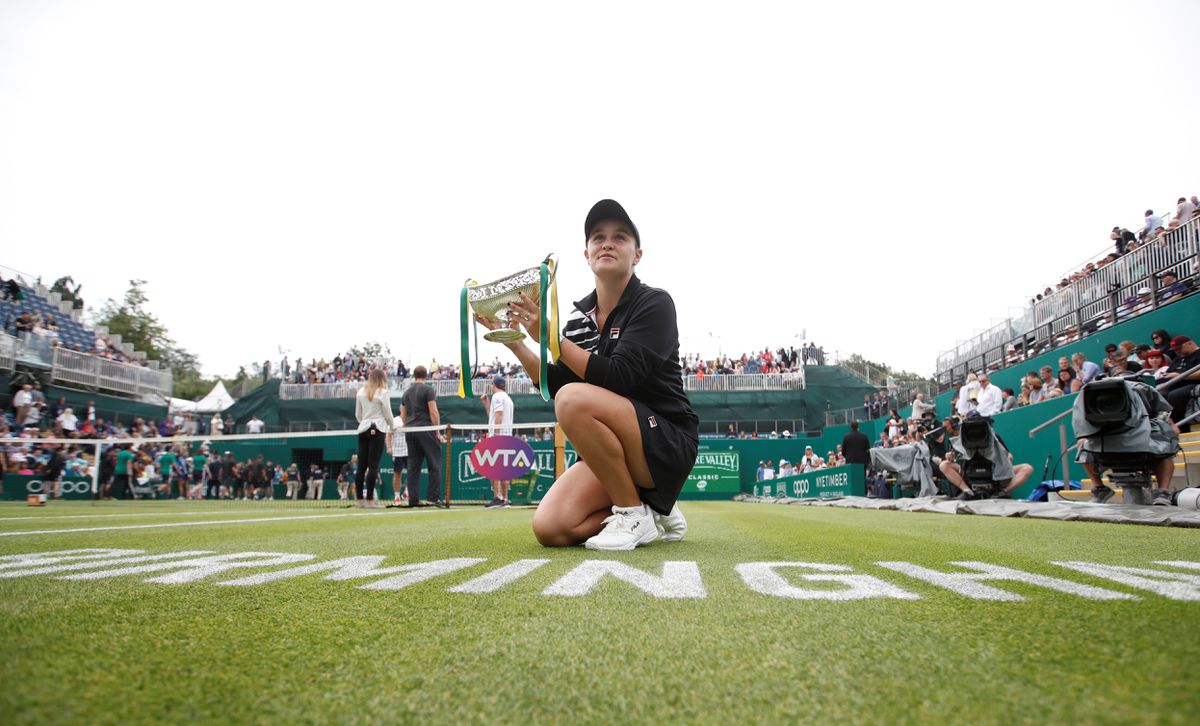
(573, 510)
(603, 428)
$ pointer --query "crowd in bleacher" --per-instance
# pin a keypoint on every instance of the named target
(27, 315)
(780, 360)
(1154, 230)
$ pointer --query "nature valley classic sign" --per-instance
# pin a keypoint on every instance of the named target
(716, 475)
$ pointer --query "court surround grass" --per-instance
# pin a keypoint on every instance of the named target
(309, 649)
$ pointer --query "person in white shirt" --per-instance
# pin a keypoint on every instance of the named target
(1153, 222)
(216, 426)
(22, 401)
(810, 461)
(373, 409)
(990, 401)
(67, 421)
(255, 425)
(397, 446)
(769, 471)
(1184, 212)
(786, 468)
(500, 420)
(965, 400)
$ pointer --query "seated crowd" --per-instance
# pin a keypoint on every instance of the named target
(781, 360)
(45, 328)
(1153, 230)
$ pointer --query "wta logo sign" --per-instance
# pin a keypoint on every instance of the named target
(502, 457)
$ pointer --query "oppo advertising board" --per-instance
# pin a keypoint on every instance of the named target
(20, 486)
(840, 481)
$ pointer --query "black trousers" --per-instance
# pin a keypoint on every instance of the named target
(1179, 396)
(424, 447)
(370, 449)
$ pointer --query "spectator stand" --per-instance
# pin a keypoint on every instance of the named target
(1105, 296)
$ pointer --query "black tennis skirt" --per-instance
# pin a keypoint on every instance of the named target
(670, 452)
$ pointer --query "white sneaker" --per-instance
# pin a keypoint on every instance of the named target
(672, 527)
(627, 528)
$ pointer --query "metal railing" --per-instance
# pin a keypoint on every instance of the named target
(8, 352)
(1105, 297)
(449, 387)
(73, 367)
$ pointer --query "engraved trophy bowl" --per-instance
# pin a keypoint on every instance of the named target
(490, 301)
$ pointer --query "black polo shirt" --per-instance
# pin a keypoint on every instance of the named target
(1183, 362)
(636, 354)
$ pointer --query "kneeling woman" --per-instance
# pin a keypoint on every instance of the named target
(618, 395)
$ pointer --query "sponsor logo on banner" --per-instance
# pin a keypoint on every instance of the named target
(715, 473)
(502, 457)
(543, 462)
(69, 486)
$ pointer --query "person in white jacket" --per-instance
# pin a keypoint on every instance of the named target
(373, 409)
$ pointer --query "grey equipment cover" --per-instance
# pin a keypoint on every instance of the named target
(1144, 431)
(996, 452)
(910, 463)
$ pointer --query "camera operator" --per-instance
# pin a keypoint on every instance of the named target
(953, 472)
(1187, 355)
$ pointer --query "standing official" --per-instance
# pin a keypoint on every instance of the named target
(419, 408)
(500, 420)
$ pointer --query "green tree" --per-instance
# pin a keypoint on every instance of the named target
(131, 319)
(370, 349)
(63, 286)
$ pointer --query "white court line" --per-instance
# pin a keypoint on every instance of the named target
(194, 524)
(130, 514)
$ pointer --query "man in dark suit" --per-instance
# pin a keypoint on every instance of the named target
(856, 447)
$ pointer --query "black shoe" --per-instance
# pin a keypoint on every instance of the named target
(966, 497)
(438, 503)
(496, 503)
(1161, 498)
(1101, 494)
(1003, 495)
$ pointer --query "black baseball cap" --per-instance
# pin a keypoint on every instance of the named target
(609, 209)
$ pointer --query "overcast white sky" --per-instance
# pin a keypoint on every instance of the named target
(888, 177)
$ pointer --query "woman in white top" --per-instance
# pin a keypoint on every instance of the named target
(373, 409)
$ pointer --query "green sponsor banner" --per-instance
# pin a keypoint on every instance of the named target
(840, 481)
(20, 486)
(466, 484)
(716, 475)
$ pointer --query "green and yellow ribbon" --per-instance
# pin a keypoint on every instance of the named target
(548, 322)
(464, 367)
(547, 327)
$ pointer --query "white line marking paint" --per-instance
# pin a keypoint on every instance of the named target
(421, 572)
(133, 514)
(197, 568)
(347, 568)
(192, 524)
(1171, 585)
(762, 577)
(497, 579)
(969, 584)
(73, 567)
(8, 562)
(678, 580)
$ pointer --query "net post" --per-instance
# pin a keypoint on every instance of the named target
(96, 474)
(560, 452)
(446, 462)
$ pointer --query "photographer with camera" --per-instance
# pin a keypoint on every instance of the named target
(986, 463)
(1124, 429)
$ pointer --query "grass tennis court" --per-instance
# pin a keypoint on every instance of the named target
(568, 640)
